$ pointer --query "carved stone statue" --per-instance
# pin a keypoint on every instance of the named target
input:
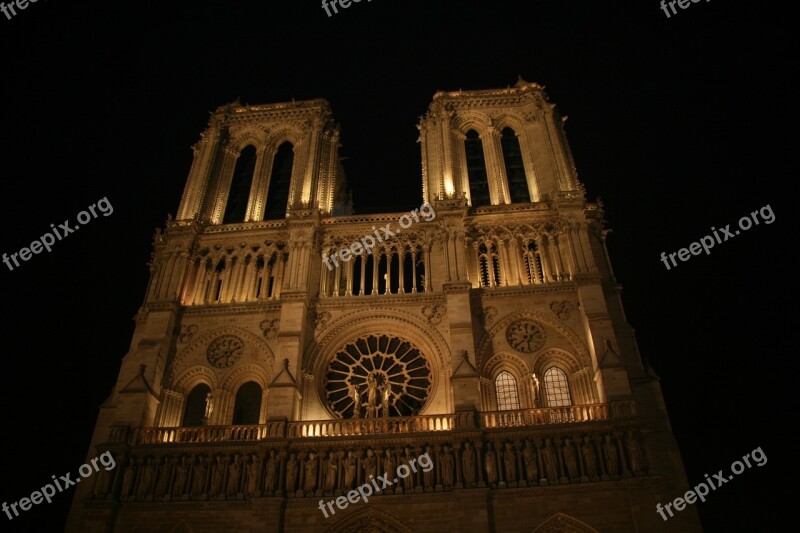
(447, 467)
(372, 390)
(350, 470)
(146, 480)
(468, 464)
(389, 464)
(510, 462)
(234, 475)
(217, 473)
(634, 453)
(128, 477)
(164, 477)
(571, 459)
(535, 388)
(310, 479)
(372, 397)
(209, 406)
(429, 477)
(409, 481)
(291, 473)
(253, 470)
(386, 394)
(101, 484)
(531, 462)
(272, 472)
(356, 396)
(331, 469)
(369, 465)
(589, 457)
(489, 463)
(199, 477)
(612, 459)
(550, 461)
(181, 477)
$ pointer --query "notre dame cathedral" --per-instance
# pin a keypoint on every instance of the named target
(288, 352)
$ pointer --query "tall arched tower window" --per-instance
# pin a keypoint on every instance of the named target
(489, 264)
(556, 388)
(241, 182)
(507, 395)
(195, 408)
(533, 263)
(247, 409)
(476, 170)
(515, 168)
(279, 182)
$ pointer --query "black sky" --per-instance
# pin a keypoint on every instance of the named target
(679, 124)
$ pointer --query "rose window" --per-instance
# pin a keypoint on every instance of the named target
(382, 375)
(225, 351)
(525, 336)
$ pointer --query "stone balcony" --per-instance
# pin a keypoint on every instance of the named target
(311, 429)
(494, 450)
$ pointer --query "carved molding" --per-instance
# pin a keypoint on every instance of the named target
(562, 308)
(435, 313)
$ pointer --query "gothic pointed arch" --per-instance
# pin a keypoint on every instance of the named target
(241, 184)
(239, 350)
(495, 334)
(369, 521)
(471, 120)
(561, 523)
(477, 174)
(280, 181)
(182, 527)
(514, 166)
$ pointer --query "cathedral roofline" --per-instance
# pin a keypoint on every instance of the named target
(522, 86)
(238, 108)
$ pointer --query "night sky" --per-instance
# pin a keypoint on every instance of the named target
(677, 124)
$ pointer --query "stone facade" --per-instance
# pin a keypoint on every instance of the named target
(267, 374)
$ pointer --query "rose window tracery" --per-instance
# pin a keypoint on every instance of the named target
(377, 376)
(525, 336)
(225, 351)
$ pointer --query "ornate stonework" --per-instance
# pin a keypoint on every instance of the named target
(269, 327)
(525, 336)
(562, 308)
(366, 380)
(186, 333)
(389, 375)
(434, 314)
(225, 351)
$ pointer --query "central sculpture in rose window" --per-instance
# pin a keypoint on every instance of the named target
(377, 376)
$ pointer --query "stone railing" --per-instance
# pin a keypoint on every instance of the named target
(548, 415)
(207, 434)
(371, 426)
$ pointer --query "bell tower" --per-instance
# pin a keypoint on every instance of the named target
(495, 147)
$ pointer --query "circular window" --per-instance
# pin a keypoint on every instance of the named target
(525, 336)
(377, 376)
(225, 351)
